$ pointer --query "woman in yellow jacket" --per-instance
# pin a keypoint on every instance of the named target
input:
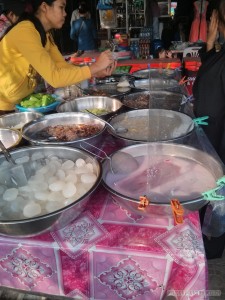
(28, 49)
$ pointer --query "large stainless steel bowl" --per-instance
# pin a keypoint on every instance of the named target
(156, 84)
(158, 73)
(165, 172)
(18, 120)
(61, 217)
(10, 137)
(31, 131)
(152, 125)
(155, 99)
(109, 89)
(109, 105)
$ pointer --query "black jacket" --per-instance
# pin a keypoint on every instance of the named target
(209, 94)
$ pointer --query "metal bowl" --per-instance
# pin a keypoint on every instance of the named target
(174, 172)
(31, 131)
(60, 217)
(155, 99)
(109, 89)
(111, 105)
(18, 120)
(156, 84)
(151, 125)
(10, 137)
(157, 73)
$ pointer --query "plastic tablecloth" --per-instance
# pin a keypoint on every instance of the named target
(110, 253)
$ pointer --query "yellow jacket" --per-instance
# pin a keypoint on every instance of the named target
(22, 56)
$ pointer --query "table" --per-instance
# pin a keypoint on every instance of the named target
(110, 253)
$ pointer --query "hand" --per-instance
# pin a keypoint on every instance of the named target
(212, 30)
(108, 71)
(104, 61)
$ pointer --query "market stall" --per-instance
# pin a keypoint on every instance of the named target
(108, 243)
(110, 252)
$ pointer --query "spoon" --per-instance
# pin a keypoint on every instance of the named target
(116, 130)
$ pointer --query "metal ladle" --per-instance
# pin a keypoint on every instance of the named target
(120, 162)
(117, 130)
(16, 173)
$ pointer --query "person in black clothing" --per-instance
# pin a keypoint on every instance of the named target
(209, 95)
(183, 17)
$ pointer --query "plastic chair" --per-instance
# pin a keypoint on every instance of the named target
(191, 52)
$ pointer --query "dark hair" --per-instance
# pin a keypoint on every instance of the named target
(15, 6)
(221, 11)
(35, 4)
(83, 8)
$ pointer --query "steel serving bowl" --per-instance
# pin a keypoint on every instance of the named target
(10, 137)
(174, 172)
(155, 99)
(31, 131)
(152, 125)
(58, 218)
(156, 84)
(18, 120)
(109, 90)
(110, 105)
(157, 73)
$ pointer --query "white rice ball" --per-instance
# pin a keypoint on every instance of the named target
(68, 164)
(88, 178)
(56, 186)
(10, 194)
(80, 162)
(32, 209)
(69, 190)
(60, 174)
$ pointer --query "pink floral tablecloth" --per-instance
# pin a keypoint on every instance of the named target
(110, 253)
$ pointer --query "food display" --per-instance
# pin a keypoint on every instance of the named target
(37, 100)
(68, 132)
(141, 101)
(98, 111)
(55, 184)
(155, 99)
(151, 125)
(122, 70)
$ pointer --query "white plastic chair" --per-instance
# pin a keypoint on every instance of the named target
(191, 52)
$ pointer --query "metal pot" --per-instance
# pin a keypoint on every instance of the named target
(152, 125)
(166, 171)
(61, 217)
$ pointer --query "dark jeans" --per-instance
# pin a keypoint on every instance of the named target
(214, 246)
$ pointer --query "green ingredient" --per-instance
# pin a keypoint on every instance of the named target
(98, 111)
(122, 69)
(37, 100)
